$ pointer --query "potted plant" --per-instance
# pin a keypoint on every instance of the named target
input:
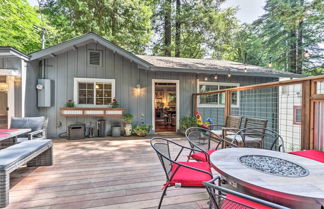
(114, 103)
(141, 130)
(187, 122)
(128, 119)
(69, 103)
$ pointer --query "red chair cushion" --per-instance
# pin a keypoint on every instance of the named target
(233, 201)
(188, 177)
(311, 154)
(200, 156)
(3, 134)
(8, 130)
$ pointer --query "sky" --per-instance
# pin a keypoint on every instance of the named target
(249, 10)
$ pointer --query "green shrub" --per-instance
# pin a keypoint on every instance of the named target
(128, 118)
(141, 130)
(187, 122)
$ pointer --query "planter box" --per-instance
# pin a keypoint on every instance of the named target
(91, 112)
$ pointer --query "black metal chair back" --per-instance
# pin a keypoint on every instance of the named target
(220, 198)
(270, 139)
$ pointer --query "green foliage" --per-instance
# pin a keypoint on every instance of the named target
(282, 35)
(69, 103)
(187, 122)
(205, 29)
(124, 22)
(19, 25)
(128, 118)
(141, 130)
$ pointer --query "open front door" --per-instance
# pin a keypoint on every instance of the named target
(3, 110)
(165, 105)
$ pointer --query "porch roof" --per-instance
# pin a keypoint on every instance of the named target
(8, 51)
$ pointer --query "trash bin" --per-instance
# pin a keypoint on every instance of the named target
(101, 127)
(76, 131)
(116, 131)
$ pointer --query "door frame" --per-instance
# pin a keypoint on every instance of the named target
(177, 82)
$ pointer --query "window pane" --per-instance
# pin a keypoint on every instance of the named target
(86, 93)
(82, 86)
(208, 99)
(222, 95)
(99, 101)
(107, 101)
(82, 101)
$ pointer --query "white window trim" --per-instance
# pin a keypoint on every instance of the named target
(216, 84)
(91, 80)
(88, 59)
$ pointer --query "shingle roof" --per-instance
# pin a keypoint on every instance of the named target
(210, 66)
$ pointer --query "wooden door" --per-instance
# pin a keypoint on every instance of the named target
(3, 110)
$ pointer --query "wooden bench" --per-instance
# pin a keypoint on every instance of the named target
(32, 152)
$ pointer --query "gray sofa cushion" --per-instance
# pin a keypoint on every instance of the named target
(17, 152)
(34, 123)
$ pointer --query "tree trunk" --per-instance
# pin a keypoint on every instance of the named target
(167, 27)
(293, 45)
(178, 28)
(300, 37)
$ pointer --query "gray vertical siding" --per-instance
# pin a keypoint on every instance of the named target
(65, 66)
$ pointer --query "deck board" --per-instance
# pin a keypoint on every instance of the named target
(99, 173)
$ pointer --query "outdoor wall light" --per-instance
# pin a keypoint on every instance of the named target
(306, 54)
(270, 64)
(206, 78)
(215, 77)
(229, 75)
(4, 87)
(245, 70)
(138, 89)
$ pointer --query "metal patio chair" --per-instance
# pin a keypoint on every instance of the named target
(179, 174)
(258, 137)
(205, 141)
(224, 198)
(38, 126)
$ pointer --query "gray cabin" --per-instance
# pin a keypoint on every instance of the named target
(91, 71)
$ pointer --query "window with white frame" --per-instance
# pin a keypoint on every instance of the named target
(216, 100)
(92, 91)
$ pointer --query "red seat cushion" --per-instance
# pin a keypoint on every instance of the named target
(311, 154)
(233, 201)
(200, 156)
(188, 177)
(8, 130)
(3, 134)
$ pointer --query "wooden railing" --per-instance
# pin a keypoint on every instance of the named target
(312, 91)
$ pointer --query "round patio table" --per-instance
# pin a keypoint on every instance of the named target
(286, 179)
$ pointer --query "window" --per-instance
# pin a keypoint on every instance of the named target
(297, 115)
(95, 58)
(216, 100)
(91, 91)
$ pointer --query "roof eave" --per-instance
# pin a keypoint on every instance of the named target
(224, 72)
(10, 51)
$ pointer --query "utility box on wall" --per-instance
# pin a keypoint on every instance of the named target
(45, 88)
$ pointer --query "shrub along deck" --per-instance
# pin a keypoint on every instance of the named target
(99, 173)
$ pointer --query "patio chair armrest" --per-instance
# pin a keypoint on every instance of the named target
(225, 130)
(32, 135)
(210, 126)
(213, 180)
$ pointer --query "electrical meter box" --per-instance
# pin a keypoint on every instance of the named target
(45, 92)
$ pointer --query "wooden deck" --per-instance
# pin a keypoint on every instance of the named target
(99, 173)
